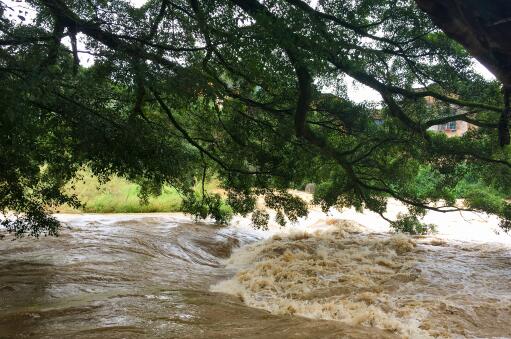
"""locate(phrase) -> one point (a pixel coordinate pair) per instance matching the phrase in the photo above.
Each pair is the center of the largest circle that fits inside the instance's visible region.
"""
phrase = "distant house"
(453, 128)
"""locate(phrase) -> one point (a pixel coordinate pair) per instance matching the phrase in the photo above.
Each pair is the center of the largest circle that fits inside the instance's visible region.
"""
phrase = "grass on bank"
(121, 196)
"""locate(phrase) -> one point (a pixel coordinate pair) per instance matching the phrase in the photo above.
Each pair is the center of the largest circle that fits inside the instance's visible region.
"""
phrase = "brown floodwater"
(163, 276)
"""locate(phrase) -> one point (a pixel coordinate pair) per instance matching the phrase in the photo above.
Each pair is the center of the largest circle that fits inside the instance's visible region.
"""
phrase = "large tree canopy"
(254, 91)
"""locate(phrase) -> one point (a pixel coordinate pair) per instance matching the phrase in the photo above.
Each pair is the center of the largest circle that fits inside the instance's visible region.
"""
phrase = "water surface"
(132, 276)
(164, 276)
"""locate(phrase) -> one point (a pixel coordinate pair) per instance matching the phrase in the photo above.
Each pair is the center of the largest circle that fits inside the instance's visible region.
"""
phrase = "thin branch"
(192, 141)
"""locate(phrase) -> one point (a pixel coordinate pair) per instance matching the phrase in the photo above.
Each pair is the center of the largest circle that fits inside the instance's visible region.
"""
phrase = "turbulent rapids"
(425, 289)
(128, 276)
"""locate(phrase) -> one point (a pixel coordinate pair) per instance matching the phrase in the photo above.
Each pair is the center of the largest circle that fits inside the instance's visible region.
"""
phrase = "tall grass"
(118, 195)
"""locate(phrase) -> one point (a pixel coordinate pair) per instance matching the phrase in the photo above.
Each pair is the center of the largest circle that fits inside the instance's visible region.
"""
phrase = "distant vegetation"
(119, 195)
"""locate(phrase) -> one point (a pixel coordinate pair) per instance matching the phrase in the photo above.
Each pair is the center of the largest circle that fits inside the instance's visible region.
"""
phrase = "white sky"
(137, 3)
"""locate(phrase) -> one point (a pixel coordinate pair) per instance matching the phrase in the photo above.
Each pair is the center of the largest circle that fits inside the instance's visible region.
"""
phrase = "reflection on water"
(129, 276)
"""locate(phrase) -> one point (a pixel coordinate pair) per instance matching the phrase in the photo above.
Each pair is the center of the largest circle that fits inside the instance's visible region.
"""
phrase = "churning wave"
(415, 288)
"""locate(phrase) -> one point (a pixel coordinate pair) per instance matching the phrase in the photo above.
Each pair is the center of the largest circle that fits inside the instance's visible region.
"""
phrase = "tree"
(253, 91)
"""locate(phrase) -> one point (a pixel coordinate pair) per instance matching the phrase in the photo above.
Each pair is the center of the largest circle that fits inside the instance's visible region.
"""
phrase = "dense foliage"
(253, 91)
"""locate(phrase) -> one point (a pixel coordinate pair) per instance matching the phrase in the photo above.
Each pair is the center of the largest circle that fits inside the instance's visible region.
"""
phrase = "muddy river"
(164, 276)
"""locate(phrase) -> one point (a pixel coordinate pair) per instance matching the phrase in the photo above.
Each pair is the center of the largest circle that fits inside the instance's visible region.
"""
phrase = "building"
(453, 128)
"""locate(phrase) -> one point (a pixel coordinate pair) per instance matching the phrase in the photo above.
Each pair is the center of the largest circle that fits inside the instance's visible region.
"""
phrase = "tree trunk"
(483, 27)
